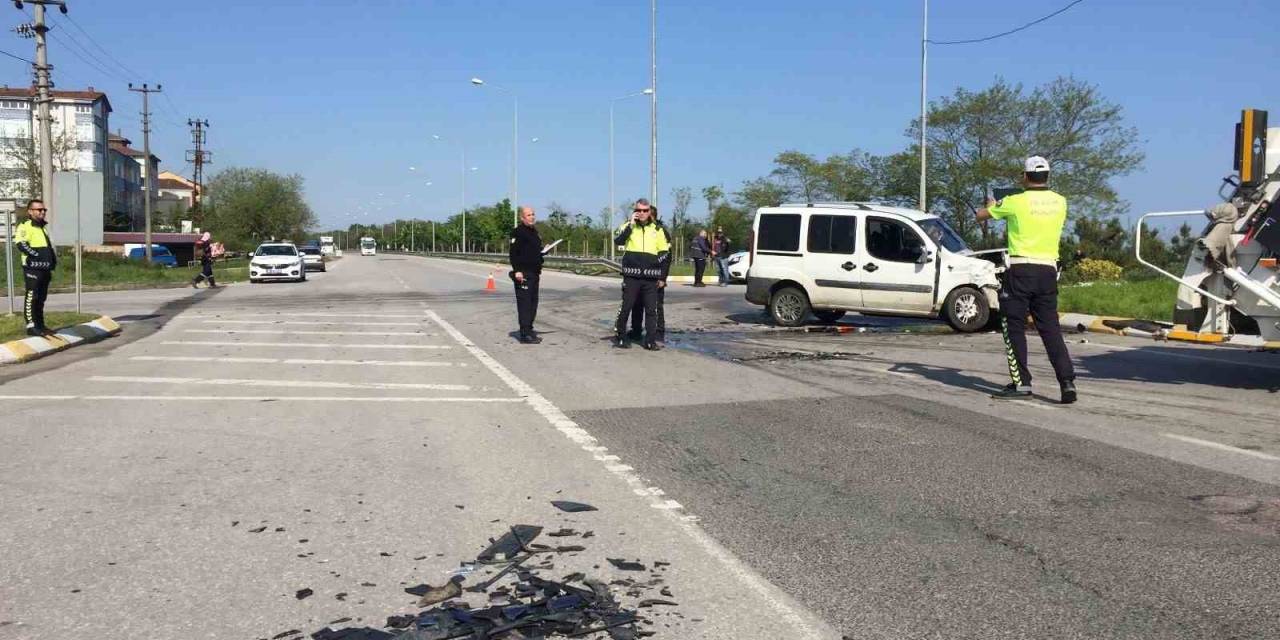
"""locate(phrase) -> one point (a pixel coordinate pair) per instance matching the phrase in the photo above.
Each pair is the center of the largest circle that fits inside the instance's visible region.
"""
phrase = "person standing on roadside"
(720, 248)
(1034, 220)
(638, 312)
(205, 246)
(700, 250)
(39, 259)
(645, 265)
(526, 272)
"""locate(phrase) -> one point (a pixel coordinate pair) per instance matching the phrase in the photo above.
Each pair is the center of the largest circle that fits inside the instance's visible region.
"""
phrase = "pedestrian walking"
(39, 259)
(700, 250)
(645, 265)
(1034, 220)
(638, 312)
(720, 248)
(205, 247)
(525, 255)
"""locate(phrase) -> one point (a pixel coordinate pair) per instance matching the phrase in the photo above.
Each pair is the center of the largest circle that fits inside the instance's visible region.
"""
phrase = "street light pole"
(613, 206)
(515, 148)
(653, 103)
(924, 112)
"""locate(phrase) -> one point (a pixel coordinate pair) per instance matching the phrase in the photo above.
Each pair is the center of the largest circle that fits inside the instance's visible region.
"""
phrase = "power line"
(95, 43)
(16, 57)
(1011, 31)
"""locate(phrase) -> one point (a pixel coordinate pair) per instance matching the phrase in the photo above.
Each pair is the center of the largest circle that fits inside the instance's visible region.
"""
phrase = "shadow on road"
(1167, 365)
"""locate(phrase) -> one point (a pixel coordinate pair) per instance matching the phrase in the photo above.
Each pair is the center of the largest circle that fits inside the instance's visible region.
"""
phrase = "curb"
(34, 348)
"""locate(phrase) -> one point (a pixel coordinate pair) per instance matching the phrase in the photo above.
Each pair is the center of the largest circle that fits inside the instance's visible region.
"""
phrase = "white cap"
(1036, 164)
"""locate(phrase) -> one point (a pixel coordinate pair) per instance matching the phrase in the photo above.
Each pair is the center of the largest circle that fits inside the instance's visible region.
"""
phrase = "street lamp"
(612, 200)
(465, 171)
(515, 147)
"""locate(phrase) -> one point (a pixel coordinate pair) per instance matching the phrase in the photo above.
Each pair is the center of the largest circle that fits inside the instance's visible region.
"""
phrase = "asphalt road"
(800, 485)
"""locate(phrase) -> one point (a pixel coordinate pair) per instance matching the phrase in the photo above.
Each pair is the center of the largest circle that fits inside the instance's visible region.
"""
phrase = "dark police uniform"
(526, 257)
(39, 259)
(638, 312)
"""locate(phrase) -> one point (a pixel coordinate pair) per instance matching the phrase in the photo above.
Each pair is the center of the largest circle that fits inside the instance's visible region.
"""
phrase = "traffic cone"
(489, 285)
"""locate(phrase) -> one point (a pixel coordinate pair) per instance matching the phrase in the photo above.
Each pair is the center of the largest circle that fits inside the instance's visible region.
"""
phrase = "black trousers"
(206, 273)
(638, 315)
(638, 291)
(527, 302)
(699, 268)
(37, 283)
(1032, 289)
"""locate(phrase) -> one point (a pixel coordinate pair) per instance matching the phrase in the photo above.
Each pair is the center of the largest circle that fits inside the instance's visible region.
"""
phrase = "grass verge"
(1142, 299)
(12, 326)
(101, 271)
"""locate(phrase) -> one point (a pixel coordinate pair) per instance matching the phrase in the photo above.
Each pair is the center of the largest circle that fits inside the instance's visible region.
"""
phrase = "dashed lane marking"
(278, 332)
(1222, 447)
(303, 345)
(806, 625)
(354, 363)
(290, 384)
(216, 398)
(312, 323)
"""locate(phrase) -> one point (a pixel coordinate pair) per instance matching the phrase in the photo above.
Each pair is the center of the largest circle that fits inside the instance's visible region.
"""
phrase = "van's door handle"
(870, 266)
(848, 266)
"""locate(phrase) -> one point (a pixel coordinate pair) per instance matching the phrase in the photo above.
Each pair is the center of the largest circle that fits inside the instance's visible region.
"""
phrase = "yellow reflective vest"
(647, 247)
(37, 251)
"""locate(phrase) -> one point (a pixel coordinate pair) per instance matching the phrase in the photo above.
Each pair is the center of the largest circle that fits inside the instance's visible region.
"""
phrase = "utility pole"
(198, 157)
(653, 103)
(148, 170)
(43, 99)
(413, 226)
(924, 111)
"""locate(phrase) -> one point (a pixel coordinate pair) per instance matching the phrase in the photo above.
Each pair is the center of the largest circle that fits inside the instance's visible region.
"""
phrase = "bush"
(1093, 270)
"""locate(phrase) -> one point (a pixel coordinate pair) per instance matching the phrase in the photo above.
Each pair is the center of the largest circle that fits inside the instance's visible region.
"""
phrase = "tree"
(682, 196)
(25, 153)
(761, 192)
(712, 195)
(799, 173)
(246, 206)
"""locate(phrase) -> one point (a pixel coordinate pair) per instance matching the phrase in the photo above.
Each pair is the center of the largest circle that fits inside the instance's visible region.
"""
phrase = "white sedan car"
(738, 264)
(277, 261)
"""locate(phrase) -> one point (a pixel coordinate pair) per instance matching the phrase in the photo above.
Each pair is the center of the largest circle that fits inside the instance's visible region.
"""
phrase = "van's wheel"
(829, 316)
(789, 306)
(966, 310)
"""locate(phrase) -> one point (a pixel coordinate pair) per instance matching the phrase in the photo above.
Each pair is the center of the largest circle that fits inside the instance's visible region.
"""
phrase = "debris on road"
(516, 602)
(303, 594)
(572, 507)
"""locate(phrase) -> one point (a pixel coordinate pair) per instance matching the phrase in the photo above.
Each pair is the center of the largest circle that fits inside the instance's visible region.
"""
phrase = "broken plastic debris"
(450, 590)
(572, 507)
(303, 594)
(625, 565)
(513, 543)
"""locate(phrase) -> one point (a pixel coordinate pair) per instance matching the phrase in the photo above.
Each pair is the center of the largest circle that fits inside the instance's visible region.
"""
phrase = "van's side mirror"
(925, 257)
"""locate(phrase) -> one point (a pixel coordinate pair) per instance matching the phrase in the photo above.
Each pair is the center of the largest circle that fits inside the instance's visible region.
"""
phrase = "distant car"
(277, 261)
(313, 257)
(738, 265)
(159, 254)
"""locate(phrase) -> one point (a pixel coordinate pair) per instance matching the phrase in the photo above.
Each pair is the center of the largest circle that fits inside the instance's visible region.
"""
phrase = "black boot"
(1013, 392)
(1068, 392)
(620, 341)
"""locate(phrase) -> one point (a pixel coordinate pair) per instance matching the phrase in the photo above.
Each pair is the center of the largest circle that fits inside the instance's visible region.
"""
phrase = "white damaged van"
(830, 258)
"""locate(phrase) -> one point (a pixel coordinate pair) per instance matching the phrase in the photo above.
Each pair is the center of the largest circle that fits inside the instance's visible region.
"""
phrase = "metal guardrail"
(584, 261)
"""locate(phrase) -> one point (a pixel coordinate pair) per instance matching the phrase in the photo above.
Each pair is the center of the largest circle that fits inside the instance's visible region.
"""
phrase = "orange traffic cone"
(489, 285)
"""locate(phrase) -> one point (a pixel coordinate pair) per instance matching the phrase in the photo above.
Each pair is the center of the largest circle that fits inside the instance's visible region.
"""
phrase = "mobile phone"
(1000, 193)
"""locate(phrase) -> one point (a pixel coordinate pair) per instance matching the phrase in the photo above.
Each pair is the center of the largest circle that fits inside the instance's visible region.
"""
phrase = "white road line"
(369, 363)
(358, 314)
(212, 398)
(308, 333)
(1221, 447)
(312, 323)
(290, 384)
(304, 345)
(805, 624)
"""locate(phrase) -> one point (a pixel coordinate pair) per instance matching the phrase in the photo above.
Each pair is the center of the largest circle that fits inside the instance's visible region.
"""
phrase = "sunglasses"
(640, 210)
(40, 209)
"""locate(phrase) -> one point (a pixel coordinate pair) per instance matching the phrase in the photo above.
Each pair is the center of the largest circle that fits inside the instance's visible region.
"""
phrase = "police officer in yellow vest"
(645, 266)
(39, 259)
(1034, 220)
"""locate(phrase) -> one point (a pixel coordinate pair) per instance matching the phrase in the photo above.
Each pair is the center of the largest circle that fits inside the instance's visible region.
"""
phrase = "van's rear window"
(778, 232)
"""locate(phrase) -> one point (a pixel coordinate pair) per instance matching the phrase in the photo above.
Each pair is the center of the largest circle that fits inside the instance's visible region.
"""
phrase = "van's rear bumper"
(760, 289)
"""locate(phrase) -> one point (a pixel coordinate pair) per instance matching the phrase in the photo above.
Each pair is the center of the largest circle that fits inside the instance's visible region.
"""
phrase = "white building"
(79, 127)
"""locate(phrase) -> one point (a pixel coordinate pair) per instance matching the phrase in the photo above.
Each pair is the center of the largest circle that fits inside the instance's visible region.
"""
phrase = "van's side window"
(893, 241)
(832, 234)
(779, 232)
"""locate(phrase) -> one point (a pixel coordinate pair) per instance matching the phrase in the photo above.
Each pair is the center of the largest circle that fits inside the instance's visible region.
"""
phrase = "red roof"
(170, 183)
(30, 92)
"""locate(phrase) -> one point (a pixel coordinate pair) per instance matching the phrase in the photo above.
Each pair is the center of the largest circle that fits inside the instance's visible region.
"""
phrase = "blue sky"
(348, 94)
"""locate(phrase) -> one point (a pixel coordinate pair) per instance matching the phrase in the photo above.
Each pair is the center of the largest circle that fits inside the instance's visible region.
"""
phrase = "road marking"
(308, 333)
(212, 398)
(305, 345)
(311, 323)
(289, 384)
(803, 622)
(371, 363)
(1221, 447)
(355, 314)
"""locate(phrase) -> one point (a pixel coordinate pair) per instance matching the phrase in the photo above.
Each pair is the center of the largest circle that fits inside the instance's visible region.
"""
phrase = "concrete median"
(34, 348)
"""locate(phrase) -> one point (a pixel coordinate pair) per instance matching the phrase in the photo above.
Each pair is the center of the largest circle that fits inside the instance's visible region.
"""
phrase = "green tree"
(246, 206)
(712, 195)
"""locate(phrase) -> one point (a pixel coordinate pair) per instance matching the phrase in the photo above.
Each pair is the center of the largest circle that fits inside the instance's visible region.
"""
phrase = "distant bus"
(368, 247)
(326, 245)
